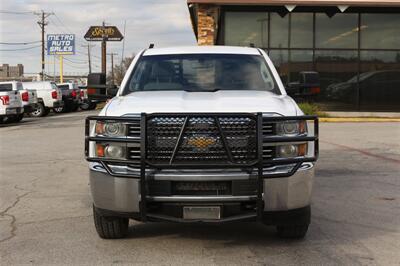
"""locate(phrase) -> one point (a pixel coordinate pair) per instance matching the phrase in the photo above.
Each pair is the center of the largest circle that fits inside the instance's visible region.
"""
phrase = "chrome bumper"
(122, 194)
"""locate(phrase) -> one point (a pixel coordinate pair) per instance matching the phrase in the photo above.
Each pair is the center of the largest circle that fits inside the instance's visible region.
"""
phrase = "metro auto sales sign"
(60, 44)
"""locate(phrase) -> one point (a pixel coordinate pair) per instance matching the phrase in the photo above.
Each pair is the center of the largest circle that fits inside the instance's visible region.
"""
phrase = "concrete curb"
(358, 119)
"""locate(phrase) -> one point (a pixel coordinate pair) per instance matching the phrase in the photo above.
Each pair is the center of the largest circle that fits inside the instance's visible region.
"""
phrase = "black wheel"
(292, 231)
(74, 108)
(59, 110)
(92, 106)
(85, 105)
(39, 111)
(17, 118)
(109, 227)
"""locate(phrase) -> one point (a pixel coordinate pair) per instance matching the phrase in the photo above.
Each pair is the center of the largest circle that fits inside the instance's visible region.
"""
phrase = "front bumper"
(122, 195)
(124, 186)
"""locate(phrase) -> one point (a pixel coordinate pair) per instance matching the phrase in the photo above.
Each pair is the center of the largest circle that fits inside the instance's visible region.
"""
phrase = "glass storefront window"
(300, 60)
(339, 31)
(301, 30)
(337, 70)
(279, 31)
(244, 28)
(380, 31)
(280, 58)
(379, 80)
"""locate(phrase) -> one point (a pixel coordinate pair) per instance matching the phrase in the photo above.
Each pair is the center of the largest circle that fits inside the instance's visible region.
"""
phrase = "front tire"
(110, 227)
(292, 231)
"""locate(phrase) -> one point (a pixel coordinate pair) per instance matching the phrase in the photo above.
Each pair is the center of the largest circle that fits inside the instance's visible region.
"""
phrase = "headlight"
(291, 150)
(291, 128)
(112, 151)
(110, 129)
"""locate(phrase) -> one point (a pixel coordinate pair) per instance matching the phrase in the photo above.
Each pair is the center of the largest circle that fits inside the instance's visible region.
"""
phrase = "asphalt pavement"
(46, 215)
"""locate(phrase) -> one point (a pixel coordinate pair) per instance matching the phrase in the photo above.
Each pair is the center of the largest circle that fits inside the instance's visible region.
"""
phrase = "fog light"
(115, 152)
(287, 151)
(290, 151)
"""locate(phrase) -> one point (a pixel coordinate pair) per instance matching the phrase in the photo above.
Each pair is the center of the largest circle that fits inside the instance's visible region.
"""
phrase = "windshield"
(201, 73)
(6, 87)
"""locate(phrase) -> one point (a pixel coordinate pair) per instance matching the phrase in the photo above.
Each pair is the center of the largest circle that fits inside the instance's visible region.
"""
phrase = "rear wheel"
(110, 227)
(39, 111)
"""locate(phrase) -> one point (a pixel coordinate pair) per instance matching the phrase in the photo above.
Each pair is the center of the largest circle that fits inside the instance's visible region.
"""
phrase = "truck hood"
(200, 102)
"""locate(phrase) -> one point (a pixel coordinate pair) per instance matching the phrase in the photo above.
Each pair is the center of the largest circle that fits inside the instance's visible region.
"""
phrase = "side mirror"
(112, 91)
(307, 86)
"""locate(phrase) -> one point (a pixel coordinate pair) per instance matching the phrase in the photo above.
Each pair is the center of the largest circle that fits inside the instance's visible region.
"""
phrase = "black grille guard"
(259, 164)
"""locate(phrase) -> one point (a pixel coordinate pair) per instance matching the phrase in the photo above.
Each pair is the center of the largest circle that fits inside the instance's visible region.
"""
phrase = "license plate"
(201, 213)
(11, 111)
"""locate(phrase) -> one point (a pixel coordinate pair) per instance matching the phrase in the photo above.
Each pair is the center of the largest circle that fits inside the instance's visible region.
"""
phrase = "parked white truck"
(48, 94)
(11, 107)
(201, 134)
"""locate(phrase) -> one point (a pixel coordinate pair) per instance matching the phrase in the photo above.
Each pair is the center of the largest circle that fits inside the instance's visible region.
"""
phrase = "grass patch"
(312, 109)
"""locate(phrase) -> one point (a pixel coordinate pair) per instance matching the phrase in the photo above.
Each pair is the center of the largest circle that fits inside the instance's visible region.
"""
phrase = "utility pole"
(104, 50)
(112, 67)
(42, 23)
(89, 57)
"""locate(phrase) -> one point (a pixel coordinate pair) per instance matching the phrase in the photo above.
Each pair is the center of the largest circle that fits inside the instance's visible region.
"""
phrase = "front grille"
(202, 188)
(202, 139)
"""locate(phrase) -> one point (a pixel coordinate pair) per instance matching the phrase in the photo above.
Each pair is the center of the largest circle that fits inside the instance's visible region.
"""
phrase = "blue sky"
(163, 22)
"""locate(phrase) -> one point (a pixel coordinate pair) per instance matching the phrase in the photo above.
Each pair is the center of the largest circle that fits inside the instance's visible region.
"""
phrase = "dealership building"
(353, 45)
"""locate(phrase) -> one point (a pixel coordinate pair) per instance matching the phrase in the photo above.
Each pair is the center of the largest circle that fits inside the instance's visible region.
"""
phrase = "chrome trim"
(200, 198)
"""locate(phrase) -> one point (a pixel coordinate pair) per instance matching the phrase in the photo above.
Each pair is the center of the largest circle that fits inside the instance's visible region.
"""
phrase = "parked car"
(28, 97)
(201, 134)
(372, 88)
(48, 94)
(70, 97)
(86, 103)
(11, 108)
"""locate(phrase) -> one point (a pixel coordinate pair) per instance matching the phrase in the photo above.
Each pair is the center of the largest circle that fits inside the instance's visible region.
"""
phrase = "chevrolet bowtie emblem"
(201, 142)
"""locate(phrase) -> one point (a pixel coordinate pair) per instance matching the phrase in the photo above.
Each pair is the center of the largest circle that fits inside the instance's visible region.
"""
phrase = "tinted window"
(6, 87)
(380, 31)
(339, 31)
(202, 72)
(279, 31)
(63, 87)
(243, 28)
(302, 30)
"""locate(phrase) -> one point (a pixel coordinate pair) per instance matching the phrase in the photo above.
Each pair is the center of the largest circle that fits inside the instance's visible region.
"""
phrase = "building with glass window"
(354, 45)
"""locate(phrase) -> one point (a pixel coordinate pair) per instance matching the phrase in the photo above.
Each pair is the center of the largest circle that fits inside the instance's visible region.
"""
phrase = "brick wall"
(207, 24)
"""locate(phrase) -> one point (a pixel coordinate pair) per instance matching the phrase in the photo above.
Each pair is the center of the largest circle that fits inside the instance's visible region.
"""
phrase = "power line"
(18, 43)
(16, 12)
(20, 49)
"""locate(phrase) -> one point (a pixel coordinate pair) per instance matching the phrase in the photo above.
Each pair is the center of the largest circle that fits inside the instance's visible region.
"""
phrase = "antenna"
(151, 45)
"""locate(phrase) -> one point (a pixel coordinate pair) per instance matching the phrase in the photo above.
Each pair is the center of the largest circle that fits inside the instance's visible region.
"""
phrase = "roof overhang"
(359, 3)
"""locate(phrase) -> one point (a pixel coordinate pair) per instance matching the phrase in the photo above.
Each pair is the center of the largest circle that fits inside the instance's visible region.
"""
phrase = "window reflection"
(302, 30)
(379, 80)
(300, 60)
(244, 28)
(336, 69)
(339, 31)
(280, 58)
(279, 27)
(380, 31)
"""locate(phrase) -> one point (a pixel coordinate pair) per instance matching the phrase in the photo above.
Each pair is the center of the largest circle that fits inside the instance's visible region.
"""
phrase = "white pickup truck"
(28, 97)
(11, 107)
(48, 94)
(201, 134)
